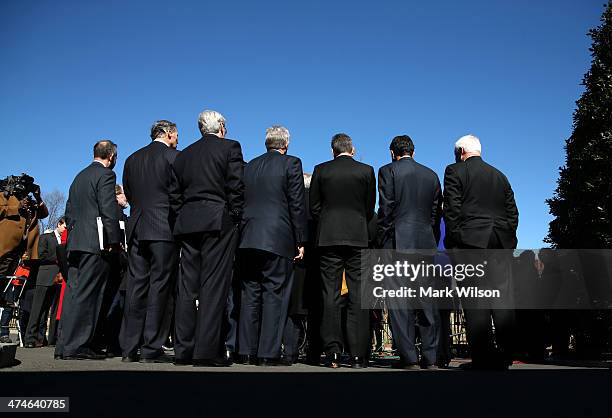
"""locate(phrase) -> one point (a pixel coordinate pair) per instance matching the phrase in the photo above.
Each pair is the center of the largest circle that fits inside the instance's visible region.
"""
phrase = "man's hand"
(300, 255)
(36, 194)
(114, 248)
(58, 278)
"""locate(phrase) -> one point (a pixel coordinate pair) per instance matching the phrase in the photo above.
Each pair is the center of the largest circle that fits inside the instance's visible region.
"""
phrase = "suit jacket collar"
(95, 163)
(210, 136)
(159, 141)
(343, 157)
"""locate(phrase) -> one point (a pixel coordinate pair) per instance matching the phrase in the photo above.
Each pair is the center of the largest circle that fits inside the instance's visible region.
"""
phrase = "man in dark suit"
(480, 213)
(91, 204)
(211, 196)
(47, 288)
(273, 236)
(342, 198)
(149, 181)
(409, 211)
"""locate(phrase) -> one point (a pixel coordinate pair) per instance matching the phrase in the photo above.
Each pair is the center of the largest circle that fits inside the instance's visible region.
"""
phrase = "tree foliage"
(55, 202)
(582, 203)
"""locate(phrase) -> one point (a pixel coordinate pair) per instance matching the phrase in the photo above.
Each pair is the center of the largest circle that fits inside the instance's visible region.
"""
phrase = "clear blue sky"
(73, 72)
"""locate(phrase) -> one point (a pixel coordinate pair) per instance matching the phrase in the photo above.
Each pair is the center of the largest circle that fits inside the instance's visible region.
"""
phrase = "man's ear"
(353, 151)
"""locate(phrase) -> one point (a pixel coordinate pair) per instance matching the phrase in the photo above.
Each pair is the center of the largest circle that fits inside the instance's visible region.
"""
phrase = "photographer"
(19, 215)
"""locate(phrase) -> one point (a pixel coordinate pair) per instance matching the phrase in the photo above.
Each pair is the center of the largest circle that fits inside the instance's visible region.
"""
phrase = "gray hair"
(162, 127)
(341, 143)
(469, 143)
(209, 122)
(277, 137)
(307, 179)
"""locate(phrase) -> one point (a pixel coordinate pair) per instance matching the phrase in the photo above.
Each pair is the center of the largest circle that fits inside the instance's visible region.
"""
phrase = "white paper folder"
(100, 232)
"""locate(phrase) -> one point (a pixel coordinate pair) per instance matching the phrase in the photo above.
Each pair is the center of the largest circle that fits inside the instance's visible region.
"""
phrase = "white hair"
(210, 122)
(277, 137)
(469, 143)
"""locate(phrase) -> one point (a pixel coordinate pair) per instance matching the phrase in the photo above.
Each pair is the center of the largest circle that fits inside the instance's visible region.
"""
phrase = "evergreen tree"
(582, 203)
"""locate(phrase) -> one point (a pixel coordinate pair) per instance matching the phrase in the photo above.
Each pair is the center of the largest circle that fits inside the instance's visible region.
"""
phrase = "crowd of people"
(222, 258)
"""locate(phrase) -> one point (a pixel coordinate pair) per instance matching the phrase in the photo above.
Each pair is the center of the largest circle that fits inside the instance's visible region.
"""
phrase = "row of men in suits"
(195, 208)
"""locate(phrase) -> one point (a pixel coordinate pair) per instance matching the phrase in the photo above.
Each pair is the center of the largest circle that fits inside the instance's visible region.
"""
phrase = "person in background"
(410, 207)
(19, 236)
(342, 199)
(47, 290)
(480, 213)
(273, 233)
(209, 204)
(149, 181)
(91, 207)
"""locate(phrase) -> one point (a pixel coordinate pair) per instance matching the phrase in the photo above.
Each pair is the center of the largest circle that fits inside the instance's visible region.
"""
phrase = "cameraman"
(19, 215)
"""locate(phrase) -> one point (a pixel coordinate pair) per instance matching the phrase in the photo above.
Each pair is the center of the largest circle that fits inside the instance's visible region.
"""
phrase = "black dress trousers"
(334, 260)
(87, 276)
(266, 291)
(205, 276)
(150, 285)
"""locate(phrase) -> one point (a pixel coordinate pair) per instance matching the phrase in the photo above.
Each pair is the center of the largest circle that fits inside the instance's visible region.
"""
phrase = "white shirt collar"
(99, 162)
(58, 237)
(159, 140)
(346, 154)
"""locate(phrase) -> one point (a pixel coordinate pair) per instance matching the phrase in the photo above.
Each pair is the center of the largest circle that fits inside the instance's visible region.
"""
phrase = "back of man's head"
(104, 149)
(341, 143)
(277, 137)
(469, 144)
(161, 128)
(402, 145)
(210, 122)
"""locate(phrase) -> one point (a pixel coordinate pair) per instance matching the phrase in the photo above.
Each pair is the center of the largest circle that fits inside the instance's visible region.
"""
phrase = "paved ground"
(41, 360)
(110, 388)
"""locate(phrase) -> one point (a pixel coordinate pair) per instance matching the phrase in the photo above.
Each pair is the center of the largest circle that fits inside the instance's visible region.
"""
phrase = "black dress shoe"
(220, 362)
(158, 359)
(85, 356)
(405, 365)
(129, 359)
(248, 360)
(359, 363)
(182, 362)
(270, 362)
(29, 345)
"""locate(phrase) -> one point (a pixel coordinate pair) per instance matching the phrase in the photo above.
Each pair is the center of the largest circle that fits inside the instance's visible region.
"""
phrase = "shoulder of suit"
(293, 159)
(426, 169)
(323, 165)
(232, 143)
(363, 165)
(455, 166)
(385, 168)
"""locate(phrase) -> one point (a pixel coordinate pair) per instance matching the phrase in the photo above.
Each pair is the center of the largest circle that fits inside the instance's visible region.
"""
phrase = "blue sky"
(509, 72)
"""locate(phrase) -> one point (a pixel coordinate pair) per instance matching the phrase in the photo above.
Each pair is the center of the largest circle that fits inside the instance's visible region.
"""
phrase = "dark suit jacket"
(92, 195)
(478, 202)
(47, 254)
(409, 206)
(211, 189)
(342, 199)
(274, 204)
(148, 182)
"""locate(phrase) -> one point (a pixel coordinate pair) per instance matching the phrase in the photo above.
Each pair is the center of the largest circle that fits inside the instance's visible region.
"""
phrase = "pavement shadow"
(543, 393)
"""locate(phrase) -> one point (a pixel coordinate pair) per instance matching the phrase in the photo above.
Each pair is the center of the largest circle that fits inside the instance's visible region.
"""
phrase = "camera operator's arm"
(41, 209)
